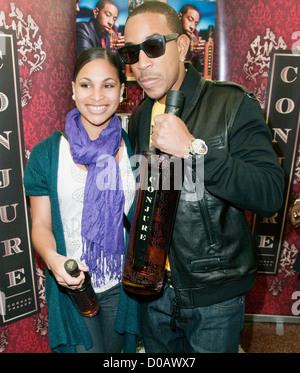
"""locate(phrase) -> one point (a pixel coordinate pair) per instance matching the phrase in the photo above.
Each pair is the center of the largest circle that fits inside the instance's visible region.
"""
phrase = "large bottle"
(84, 298)
(155, 211)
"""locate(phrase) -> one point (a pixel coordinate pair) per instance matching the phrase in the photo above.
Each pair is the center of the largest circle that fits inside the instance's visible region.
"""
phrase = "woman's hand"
(56, 266)
(45, 244)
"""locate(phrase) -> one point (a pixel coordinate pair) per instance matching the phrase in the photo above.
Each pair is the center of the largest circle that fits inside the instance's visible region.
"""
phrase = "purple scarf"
(103, 206)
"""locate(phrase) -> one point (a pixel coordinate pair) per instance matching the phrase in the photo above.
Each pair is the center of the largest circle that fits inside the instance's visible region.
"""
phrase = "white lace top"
(71, 184)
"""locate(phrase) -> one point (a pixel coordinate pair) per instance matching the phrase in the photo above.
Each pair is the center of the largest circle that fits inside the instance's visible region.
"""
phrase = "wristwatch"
(197, 148)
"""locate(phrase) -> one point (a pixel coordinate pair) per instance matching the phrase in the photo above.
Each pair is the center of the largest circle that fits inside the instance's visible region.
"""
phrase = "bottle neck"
(85, 284)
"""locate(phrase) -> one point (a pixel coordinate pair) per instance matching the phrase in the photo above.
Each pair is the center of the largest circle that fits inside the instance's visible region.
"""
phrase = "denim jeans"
(214, 328)
(101, 327)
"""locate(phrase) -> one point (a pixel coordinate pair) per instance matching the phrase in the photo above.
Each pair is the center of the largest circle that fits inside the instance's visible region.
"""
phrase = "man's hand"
(170, 135)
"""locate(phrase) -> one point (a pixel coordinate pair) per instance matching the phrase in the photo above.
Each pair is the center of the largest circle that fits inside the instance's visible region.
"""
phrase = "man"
(189, 16)
(212, 256)
(96, 32)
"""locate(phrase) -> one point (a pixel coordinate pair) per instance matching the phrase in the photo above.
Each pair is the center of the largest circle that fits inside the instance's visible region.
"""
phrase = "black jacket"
(212, 254)
(88, 35)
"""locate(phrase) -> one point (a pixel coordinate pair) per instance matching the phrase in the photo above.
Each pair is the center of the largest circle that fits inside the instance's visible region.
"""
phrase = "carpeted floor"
(268, 338)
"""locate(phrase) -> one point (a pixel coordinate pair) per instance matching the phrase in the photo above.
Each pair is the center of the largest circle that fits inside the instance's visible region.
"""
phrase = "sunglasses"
(153, 48)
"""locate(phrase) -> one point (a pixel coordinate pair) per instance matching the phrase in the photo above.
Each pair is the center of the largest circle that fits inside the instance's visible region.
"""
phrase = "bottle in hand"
(154, 216)
(83, 298)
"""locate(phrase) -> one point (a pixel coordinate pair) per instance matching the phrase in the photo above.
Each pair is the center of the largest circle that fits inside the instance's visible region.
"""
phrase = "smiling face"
(97, 91)
(156, 75)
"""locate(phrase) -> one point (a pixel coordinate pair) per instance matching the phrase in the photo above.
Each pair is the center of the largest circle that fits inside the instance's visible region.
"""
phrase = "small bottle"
(209, 54)
(154, 216)
(84, 298)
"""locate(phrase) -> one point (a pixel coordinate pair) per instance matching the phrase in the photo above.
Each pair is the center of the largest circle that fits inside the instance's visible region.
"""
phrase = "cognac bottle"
(84, 298)
(155, 210)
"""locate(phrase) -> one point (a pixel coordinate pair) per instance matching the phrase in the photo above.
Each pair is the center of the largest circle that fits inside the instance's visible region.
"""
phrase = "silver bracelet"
(297, 200)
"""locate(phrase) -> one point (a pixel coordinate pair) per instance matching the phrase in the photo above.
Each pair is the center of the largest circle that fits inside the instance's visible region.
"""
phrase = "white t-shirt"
(71, 184)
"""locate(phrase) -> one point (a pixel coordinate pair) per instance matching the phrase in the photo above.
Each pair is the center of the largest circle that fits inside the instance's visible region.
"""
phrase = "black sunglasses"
(154, 47)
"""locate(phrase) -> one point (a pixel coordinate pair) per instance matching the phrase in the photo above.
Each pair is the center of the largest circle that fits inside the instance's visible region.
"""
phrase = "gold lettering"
(266, 242)
(149, 199)
(285, 102)
(12, 245)
(13, 277)
(5, 142)
(283, 136)
(5, 177)
(3, 213)
(280, 159)
(142, 237)
(271, 220)
(285, 72)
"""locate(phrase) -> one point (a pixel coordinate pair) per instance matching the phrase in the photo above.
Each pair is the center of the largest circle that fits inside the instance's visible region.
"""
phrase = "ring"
(295, 215)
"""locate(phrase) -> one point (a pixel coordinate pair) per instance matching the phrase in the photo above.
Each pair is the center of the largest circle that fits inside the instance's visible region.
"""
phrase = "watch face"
(198, 147)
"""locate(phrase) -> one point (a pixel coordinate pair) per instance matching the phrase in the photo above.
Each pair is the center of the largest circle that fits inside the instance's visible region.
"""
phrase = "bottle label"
(144, 227)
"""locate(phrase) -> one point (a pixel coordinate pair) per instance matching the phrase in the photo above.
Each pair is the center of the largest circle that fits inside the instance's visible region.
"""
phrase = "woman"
(80, 185)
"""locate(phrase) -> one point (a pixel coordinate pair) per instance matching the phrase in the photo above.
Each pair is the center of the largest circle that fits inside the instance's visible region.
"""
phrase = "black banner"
(18, 290)
(282, 114)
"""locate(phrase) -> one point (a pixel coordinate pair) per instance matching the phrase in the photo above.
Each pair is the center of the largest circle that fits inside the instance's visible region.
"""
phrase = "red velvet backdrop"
(46, 52)
(246, 32)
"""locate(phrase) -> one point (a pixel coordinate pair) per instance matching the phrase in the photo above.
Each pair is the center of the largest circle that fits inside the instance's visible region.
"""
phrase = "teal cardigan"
(67, 327)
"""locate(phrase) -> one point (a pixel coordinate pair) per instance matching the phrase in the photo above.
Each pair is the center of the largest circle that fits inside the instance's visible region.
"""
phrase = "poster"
(249, 38)
(282, 114)
(206, 13)
(19, 298)
(46, 52)
(105, 27)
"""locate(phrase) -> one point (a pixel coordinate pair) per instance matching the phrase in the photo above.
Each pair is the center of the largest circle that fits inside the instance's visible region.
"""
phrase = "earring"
(182, 59)
(121, 99)
(73, 97)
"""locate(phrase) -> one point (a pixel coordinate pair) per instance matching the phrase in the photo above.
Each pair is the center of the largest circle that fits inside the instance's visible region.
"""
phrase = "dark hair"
(172, 18)
(92, 54)
(186, 7)
(101, 4)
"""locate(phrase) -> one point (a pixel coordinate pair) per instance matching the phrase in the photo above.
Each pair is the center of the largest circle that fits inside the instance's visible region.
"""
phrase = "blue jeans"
(101, 327)
(213, 328)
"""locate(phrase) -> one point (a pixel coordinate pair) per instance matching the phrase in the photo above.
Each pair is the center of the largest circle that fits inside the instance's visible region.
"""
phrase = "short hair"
(186, 7)
(92, 54)
(101, 4)
(171, 15)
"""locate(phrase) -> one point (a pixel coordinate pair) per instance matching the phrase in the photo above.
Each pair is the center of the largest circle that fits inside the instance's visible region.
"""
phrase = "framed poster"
(19, 297)
(258, 46)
